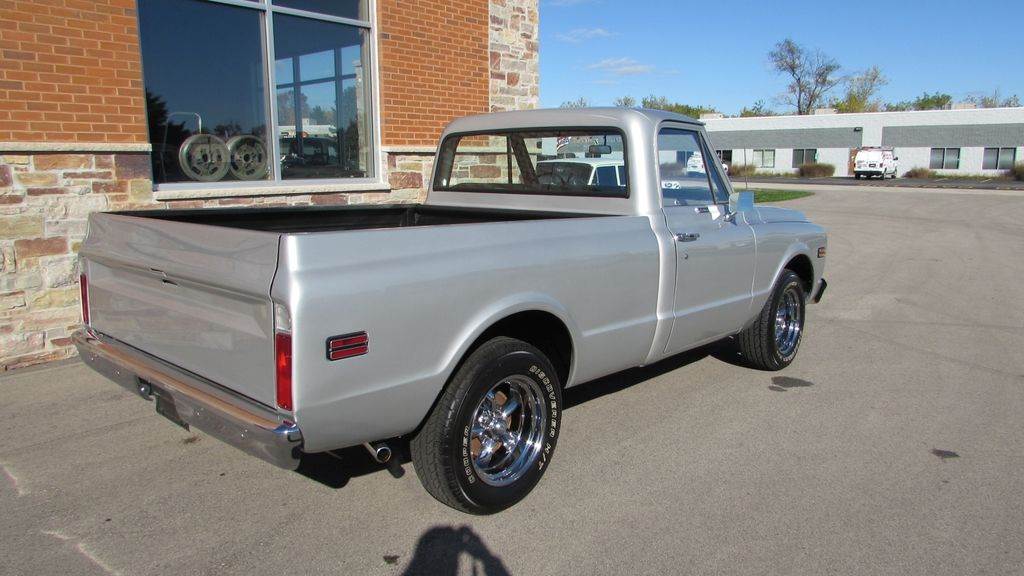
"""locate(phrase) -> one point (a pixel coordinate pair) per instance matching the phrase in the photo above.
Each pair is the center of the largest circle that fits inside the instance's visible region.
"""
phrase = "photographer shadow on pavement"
(440, 548)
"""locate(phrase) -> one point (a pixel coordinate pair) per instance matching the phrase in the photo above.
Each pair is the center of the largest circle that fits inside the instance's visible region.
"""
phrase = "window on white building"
(945, 159)
(257, 91)
(804, 156)
(764, 158)
(999, 158)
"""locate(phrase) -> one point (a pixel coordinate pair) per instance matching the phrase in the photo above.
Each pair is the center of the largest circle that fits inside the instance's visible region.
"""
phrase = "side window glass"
(683, 174)
(717, 183)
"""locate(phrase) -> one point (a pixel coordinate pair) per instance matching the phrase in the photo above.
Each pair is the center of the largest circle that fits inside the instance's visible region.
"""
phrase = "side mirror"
(741, 201)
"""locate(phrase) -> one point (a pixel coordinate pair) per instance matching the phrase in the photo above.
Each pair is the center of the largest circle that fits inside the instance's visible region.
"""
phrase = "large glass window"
(211, 90)
(321, 98)
(559, 162)
(944, 159)
(764, 158)
(681, 168)
(999, 158)
(803, 156)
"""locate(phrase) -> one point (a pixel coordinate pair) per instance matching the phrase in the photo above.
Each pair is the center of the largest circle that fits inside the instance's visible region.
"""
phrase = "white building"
(955, 142)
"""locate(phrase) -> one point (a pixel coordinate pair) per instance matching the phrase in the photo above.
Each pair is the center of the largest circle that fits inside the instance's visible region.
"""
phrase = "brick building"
(118, 104)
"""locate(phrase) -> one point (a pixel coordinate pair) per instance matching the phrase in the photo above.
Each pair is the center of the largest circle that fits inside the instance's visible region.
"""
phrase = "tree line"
(813, 80)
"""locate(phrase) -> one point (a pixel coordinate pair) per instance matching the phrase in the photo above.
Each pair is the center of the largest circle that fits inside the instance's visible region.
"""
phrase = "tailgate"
(197, 296)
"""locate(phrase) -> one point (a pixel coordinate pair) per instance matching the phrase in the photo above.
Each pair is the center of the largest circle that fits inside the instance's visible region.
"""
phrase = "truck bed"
(287, 220)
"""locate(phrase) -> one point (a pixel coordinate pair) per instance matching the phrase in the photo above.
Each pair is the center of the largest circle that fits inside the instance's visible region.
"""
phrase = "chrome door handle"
(684, 237)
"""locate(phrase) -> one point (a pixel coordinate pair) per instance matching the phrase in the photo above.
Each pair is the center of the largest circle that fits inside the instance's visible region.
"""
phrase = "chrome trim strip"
(225, 415)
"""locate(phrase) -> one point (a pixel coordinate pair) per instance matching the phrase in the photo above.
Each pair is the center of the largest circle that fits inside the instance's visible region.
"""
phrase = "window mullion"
(272, 128)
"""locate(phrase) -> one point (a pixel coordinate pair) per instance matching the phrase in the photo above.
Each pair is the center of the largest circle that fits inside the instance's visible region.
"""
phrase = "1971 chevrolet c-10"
(554, 247)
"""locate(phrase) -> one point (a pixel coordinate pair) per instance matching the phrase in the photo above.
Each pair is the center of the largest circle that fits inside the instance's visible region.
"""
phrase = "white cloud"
(622, 66)
(577, 35)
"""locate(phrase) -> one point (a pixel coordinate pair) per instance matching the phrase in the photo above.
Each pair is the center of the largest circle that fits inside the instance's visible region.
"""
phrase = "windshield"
(556, 162)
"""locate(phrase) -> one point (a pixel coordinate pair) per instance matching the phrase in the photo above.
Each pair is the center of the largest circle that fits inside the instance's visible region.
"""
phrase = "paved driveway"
(893, 445)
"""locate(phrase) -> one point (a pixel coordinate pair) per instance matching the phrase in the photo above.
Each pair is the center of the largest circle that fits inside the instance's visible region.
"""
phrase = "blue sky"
(715, 53)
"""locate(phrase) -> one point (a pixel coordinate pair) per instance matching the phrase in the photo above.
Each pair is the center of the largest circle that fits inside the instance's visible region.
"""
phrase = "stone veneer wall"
(46, 195)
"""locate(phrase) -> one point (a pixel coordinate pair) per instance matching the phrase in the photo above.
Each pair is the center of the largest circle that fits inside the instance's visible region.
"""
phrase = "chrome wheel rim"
(507, 430)
(789, 321)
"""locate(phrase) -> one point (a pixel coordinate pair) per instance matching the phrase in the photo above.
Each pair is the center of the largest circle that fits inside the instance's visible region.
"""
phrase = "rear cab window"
(565, 162)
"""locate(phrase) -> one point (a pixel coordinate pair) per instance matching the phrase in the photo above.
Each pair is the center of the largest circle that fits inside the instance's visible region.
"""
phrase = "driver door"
(714, 254)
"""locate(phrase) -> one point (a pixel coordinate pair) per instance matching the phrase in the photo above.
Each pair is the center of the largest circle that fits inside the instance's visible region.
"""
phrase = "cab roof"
(565, 118)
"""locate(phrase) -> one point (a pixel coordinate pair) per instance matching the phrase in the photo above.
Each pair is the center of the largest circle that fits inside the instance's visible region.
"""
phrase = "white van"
(875, 161)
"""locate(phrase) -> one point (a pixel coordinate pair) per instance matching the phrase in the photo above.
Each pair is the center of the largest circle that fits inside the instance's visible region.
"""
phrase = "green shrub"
(741, 170)
(919, 173)
(1018, 171)
(816, 170)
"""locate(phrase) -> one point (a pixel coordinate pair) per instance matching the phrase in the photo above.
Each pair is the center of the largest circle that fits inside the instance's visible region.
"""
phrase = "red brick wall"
(434, 66)
(70, 71)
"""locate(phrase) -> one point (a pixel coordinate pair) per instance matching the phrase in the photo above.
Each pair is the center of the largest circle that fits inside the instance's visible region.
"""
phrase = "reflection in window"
(944, 159)
(207, 96)
(205, 104)
(684, 177)
(570, 162)
(322, 99)
(999, 158)
(355, 9)
(764, 158)
(803, 156)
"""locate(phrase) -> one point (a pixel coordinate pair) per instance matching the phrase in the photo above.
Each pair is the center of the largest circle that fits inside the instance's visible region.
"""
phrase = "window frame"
(704, 151)
(761, 164)
(999, 157)
(803, 154)
(275, 183)
(945, 152)
(436, 176)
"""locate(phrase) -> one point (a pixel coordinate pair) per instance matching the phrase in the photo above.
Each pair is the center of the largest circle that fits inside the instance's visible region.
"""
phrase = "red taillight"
(283, 361)
(83, 284)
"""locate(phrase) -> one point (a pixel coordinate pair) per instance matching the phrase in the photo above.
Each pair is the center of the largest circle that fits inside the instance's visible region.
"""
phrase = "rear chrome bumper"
(225, 415)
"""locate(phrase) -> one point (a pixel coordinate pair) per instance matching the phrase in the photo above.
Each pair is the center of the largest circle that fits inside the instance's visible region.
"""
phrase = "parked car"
(875, 161)
(590, 171)
(455, 324)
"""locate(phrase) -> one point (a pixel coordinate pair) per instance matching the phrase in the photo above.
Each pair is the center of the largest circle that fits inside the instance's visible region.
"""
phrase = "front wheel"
(490, 437)
(772, 340)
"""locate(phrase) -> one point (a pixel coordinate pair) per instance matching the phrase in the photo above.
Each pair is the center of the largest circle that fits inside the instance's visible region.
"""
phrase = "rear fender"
(489, 316)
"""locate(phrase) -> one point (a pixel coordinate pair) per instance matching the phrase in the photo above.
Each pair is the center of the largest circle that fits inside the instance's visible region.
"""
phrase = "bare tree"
(580, 102)
(860, 89)
(811, 74)
(625, 102)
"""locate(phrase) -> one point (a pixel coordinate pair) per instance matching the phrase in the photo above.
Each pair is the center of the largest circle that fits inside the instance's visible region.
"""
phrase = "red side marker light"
(347, 345)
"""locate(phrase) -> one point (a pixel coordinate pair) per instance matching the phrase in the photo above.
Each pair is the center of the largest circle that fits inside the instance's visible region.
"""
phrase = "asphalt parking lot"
(893, 445)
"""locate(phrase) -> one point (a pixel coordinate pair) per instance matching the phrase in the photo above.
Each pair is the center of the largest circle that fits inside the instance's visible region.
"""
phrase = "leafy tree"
(661, 103)
(860, 89)
(926, 101)
(758, 109)
(625, 102)
(812, 74)
(580, 102)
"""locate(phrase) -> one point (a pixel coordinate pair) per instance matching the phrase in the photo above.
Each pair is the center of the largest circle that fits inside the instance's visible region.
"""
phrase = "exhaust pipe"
(379, 451)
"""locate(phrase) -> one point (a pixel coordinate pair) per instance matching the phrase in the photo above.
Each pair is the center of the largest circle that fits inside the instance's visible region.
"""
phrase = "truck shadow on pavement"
(335, 469)
(439, 549)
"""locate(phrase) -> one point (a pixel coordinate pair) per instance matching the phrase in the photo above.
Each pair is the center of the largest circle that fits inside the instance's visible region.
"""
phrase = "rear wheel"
(771, 342)
(489, 439)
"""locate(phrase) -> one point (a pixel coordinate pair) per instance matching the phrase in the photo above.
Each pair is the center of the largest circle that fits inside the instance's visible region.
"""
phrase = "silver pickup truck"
(453, 325)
